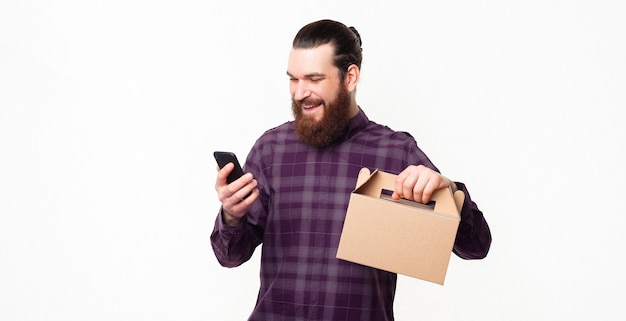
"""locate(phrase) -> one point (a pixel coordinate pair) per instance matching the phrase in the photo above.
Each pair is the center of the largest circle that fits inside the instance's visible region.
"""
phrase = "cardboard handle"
(445, 201)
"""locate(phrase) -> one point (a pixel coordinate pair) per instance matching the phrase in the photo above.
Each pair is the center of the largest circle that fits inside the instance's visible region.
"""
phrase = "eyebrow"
(311, 75)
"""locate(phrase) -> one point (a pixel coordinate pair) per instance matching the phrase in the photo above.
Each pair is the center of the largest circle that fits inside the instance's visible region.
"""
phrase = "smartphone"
(224, 158)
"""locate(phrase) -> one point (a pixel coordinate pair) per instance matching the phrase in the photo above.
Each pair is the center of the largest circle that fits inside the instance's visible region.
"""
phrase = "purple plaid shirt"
(299, 218)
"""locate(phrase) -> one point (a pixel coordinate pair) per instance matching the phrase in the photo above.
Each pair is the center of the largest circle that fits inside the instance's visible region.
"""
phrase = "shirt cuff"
(227, 230)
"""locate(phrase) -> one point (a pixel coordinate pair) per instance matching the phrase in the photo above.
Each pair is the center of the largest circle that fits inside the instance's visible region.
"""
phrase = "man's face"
(321, 104)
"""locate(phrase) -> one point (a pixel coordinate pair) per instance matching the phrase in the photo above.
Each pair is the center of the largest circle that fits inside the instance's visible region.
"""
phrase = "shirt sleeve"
(473, 238)
(234, 245)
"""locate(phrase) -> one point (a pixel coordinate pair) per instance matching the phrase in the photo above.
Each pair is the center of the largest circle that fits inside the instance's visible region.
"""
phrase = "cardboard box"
(402, 236)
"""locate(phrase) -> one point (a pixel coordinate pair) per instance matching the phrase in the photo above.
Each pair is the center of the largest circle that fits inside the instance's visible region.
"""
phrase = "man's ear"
(352, 77)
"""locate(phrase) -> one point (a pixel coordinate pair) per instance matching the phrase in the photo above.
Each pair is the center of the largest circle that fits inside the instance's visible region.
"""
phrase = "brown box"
(402, 236)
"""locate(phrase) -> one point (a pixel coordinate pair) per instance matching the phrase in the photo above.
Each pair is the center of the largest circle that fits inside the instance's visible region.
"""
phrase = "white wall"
(109, 112)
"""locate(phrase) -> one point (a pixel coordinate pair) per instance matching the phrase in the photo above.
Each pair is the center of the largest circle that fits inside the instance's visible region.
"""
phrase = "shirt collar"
(356, 124)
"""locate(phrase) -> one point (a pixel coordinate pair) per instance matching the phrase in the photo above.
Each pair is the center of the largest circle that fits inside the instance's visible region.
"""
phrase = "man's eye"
(316, 79)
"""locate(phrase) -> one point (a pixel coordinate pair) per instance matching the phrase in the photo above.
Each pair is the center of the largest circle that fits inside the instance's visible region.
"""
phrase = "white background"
(110, 110)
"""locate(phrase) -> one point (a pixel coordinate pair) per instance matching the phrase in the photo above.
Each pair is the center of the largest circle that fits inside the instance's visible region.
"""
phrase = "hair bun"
(358, 36)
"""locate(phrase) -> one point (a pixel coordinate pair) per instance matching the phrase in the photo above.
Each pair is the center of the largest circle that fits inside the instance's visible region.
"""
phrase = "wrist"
(228, 219)
(453, 187)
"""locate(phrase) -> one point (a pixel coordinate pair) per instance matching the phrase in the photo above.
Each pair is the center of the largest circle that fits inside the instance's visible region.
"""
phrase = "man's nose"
(301, 91)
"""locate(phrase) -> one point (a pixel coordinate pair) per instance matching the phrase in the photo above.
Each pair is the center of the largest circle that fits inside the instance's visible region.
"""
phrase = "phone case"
(223, 158)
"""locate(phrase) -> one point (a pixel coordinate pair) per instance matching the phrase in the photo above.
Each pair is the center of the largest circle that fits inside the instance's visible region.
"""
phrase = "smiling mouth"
(311, 106)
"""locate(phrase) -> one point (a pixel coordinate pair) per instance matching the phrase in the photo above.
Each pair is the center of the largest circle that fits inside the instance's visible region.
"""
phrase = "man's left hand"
(419, 182)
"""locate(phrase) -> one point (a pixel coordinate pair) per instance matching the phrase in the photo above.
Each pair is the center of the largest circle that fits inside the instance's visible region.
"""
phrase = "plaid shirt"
(304, 194)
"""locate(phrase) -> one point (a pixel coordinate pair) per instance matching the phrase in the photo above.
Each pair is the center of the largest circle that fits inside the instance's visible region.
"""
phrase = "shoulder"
(281, 132)
(386, 134)
(275, 140)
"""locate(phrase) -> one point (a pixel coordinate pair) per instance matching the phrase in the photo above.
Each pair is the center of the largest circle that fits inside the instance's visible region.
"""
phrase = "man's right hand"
(233, 196)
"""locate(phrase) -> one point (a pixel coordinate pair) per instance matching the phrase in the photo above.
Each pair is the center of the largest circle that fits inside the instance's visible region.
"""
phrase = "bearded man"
(300, 175)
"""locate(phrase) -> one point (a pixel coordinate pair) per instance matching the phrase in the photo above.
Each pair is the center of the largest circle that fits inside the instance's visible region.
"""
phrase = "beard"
(332, 125)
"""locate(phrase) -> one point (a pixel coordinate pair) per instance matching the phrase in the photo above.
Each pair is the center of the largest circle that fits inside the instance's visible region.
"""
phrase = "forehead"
(318, 60)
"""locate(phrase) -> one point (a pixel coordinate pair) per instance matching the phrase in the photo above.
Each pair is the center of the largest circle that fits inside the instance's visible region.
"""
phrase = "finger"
(239, 207)
(406, 186)
(223, 173)
(226, 191)
(399, 186)
(246, 190)
(418, 188)
(236, 191)
(240, 183)
(431, 186)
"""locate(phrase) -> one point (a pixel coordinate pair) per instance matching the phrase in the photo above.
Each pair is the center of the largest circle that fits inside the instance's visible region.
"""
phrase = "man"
(300, 176)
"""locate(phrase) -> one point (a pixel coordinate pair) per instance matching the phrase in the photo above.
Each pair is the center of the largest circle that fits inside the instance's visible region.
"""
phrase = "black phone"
(224, 158)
